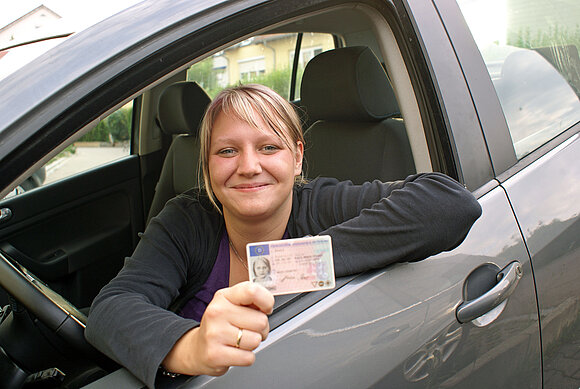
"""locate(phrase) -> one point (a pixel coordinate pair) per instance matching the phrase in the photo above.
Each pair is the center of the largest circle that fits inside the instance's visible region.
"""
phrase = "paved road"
(83, 159)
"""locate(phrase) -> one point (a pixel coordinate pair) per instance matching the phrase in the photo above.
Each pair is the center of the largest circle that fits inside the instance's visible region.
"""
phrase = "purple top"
(219, 278)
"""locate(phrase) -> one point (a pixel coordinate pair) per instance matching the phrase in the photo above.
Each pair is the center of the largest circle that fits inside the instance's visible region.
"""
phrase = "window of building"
(306, 54)
(251, 68)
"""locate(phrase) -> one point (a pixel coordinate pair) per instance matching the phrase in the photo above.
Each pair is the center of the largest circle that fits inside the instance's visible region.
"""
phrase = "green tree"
(119, 123)
(116, 127)
(555, 35)
(278, 80)
(206, 76)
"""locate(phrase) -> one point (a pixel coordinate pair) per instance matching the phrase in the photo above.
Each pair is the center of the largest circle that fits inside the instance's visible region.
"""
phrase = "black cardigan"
(372, 225)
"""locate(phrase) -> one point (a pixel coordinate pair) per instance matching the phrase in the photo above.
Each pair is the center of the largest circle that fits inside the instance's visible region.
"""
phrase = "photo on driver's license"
(292, 265)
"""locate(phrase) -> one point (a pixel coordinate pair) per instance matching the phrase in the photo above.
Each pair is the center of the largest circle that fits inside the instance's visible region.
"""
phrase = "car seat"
(357, 132)
(180, 110)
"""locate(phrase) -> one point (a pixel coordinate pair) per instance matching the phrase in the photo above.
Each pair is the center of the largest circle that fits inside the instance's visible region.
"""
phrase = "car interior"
(363, 121)
(181, 109)
(69, 238)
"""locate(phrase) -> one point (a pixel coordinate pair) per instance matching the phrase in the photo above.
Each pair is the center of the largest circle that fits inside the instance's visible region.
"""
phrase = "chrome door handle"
(508, 279)
(5, 214)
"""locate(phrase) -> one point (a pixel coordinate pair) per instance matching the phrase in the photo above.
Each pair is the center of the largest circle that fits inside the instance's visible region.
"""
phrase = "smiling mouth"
(256, 186)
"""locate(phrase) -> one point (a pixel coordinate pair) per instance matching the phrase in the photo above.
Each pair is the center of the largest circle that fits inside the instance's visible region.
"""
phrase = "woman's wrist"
(177, 360)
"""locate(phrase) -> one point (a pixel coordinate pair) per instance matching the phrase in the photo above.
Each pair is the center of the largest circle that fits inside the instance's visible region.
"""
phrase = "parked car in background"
(483, 92)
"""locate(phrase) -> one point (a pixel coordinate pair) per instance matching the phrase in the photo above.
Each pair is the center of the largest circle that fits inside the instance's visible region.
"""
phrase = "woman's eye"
(270, 148)
(226, 152)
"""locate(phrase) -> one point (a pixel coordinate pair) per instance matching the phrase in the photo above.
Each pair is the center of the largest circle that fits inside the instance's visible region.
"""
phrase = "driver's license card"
(292, 265)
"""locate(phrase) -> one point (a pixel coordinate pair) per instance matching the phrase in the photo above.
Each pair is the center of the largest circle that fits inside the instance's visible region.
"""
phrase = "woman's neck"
(240, 233)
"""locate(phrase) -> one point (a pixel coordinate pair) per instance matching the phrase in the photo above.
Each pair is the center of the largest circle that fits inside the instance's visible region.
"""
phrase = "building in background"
(28, 37)
(265, 59)
(36, 24)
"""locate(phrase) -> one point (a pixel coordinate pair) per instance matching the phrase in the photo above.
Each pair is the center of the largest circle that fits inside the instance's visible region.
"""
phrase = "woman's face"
(251, 171)
(261, 269)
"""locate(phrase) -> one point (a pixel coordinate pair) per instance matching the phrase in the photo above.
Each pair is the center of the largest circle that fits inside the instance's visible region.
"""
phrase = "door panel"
(398, 327)
(74, 234)
(545, 199)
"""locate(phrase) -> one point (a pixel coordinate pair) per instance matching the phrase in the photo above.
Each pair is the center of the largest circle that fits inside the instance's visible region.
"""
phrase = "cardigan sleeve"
(129, 320)
(376, 224)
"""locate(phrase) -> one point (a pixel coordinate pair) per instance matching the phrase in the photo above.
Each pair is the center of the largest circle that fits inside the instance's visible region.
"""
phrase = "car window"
(263, 59)
(530, 49)
(106, 142)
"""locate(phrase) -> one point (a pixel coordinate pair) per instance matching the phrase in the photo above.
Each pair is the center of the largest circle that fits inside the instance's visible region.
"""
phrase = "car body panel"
(545, 200)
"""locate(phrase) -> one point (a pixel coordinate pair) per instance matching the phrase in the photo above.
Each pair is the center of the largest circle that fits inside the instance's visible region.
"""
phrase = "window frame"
(452, 123)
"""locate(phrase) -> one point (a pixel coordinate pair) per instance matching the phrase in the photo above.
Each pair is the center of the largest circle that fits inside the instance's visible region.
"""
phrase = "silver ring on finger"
(239, 339)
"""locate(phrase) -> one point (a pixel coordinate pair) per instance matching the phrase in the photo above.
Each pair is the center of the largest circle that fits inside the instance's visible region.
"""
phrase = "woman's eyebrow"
(223, 139)
(262, 138)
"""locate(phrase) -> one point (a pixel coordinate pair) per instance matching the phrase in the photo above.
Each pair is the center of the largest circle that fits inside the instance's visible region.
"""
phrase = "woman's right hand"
(211, 348)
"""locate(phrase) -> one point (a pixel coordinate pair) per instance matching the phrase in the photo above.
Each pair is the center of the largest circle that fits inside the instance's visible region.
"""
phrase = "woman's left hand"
(233, 325)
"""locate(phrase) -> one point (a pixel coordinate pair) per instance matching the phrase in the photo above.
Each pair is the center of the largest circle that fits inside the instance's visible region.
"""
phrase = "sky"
(487, 20)
(76, 13)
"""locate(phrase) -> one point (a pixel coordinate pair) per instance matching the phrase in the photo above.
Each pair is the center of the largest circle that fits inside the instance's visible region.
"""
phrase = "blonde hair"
(252, 104)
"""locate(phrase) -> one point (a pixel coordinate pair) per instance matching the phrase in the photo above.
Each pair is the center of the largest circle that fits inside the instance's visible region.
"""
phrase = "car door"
(75, 230)
(544, 200)
(536, 80)
(398, 327)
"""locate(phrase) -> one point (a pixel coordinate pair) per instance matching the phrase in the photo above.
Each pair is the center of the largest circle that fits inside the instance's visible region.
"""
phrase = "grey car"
(479, 90)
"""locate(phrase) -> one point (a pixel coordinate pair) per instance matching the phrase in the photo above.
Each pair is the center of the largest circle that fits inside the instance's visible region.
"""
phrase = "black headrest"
(181, 108)
(347, 84)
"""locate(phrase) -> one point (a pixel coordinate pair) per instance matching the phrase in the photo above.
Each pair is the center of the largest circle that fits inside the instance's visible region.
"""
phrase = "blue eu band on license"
(259, 250)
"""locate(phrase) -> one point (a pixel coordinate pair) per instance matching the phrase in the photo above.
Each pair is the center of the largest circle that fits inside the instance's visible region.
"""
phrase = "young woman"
(191, 258)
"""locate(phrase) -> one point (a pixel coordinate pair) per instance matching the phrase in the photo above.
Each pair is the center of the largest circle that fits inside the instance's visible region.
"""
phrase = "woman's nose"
(249, 163)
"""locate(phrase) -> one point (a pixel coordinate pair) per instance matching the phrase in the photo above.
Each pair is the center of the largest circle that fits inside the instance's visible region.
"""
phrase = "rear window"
(263, 59)
(530, 48)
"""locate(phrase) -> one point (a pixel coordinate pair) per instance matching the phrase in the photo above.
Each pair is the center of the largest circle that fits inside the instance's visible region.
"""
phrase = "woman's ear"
(299, 157)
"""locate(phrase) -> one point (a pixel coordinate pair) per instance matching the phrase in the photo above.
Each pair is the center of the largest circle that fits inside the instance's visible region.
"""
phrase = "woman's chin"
(257, 208)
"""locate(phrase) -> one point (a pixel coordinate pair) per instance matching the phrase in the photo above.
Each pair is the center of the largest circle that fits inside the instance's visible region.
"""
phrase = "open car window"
(108, 141)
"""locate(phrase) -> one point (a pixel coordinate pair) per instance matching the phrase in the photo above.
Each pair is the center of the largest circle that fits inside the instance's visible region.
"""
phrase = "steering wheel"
(54, 311)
